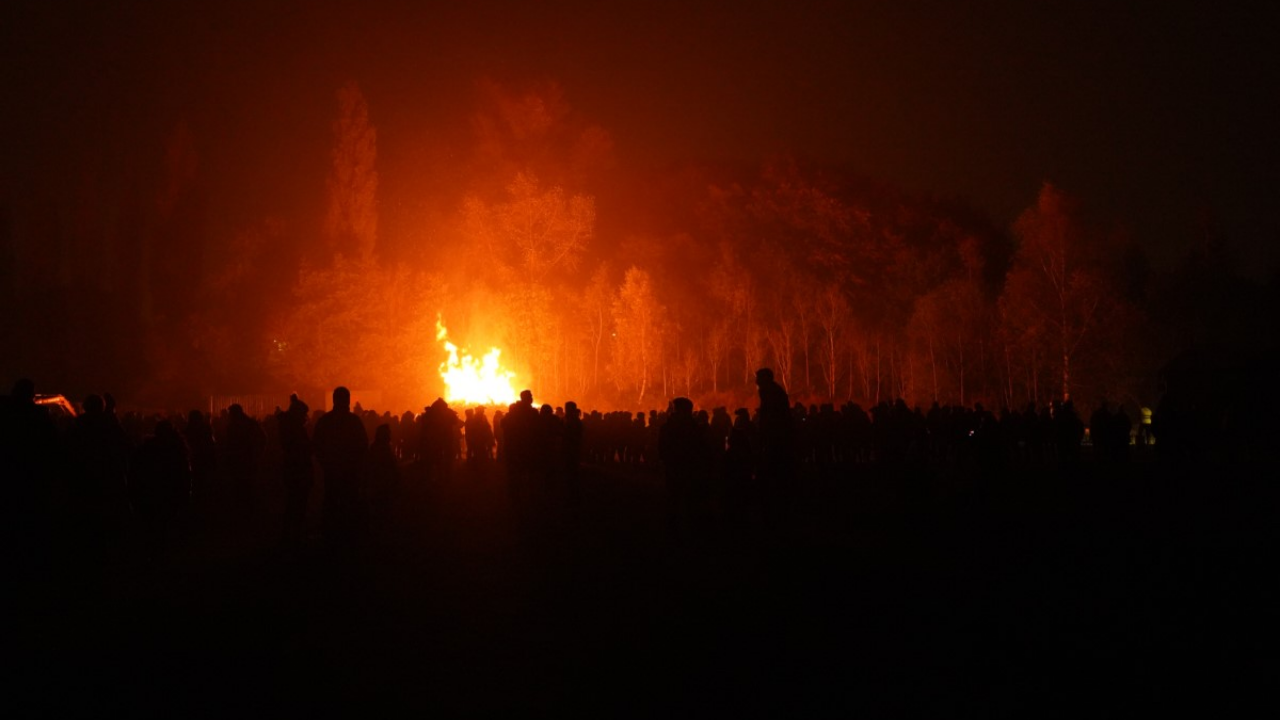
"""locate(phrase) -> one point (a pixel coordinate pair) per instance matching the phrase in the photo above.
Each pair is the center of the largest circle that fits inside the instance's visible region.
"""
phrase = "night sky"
(1159, 118)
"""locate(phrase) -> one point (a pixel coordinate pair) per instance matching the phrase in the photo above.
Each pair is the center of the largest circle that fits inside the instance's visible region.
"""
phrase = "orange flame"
(473, 381)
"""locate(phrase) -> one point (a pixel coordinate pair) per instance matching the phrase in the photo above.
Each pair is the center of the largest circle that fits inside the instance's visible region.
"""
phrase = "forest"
(617, 287)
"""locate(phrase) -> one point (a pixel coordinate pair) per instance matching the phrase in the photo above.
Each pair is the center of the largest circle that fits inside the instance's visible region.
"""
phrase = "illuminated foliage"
(849, 290)
(833, 316)
(637, 343)
(532, 330)
(949, 325)
(228, 332)
(597, 314)
(733, 288)
(535, 233)
(365, 326)
(1055, 293)
(822, 230)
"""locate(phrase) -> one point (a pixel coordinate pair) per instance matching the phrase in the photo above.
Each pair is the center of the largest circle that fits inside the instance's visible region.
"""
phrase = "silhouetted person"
(28, 439)
(384, 480)
(520, 438)
(479, 437)
(1143, 436)
(1122, 427)
(499, 441)
(204, 458)
(550, 435)
(776, 441)
(571, 451)
(340, 446)
(1068, 432)
(160, 484)
(721, 425)
(99, 453)
(468, 416)
(740, 490)
(637, 439)
(990, 445)
(1100, 432)
(242, 448)
(295, 467)
(682, 448)
(439, 426)
(30, 462)
(402, 436)
(1045, 436)
(1110, 433)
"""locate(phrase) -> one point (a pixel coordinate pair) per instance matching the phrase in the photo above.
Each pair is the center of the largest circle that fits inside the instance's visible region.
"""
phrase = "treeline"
(614, 286)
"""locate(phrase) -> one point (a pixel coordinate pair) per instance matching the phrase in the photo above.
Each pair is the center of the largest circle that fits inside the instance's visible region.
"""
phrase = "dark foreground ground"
(890, 592)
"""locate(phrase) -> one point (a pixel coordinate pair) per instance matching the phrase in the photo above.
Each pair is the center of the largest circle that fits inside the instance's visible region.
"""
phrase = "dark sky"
(1157, 116)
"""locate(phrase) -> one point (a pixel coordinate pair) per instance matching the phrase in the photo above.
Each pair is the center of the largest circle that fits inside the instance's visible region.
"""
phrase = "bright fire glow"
(473, 381)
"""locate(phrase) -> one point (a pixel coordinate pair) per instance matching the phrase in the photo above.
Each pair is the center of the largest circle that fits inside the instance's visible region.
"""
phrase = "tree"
(597, 308)
(817, 226)
(1055, 290)
(802, 303)
(226, 329)
(351, 224)
(685, 368)
(732, 285)
(637, 319)
(533, 332)
(717, 346)
(950, 321)
(362, 325)
(926, 325)
(537, 231)
(782, 337)
(786, 314)
(833, 317)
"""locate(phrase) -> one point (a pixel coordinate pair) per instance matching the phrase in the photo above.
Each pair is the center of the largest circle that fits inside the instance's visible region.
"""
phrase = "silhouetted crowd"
(104, 470)
(345, 545)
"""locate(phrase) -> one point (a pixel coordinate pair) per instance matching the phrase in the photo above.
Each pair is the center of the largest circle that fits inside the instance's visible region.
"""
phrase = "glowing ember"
(473, 381)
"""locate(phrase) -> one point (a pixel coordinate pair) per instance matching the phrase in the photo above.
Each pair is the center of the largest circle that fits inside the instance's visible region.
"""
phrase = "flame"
(473, 381)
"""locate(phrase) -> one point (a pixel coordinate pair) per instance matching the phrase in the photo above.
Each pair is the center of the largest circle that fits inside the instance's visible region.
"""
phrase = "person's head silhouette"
(93, 405)
(341, 399)
(165, 432)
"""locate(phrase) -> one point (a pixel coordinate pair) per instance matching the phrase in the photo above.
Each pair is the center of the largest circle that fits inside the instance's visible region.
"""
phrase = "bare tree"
(833, 317)
(717, 347)
(782, 337)
(637, 318)
(1054, 288)
(597, 310)
(536, 232)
